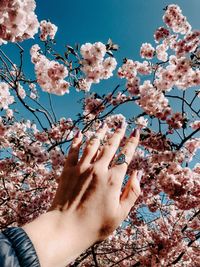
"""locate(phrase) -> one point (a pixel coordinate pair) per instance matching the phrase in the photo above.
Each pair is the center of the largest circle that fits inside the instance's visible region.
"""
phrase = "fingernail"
(139, 175)
(135, 133)
(102, 125)
(121, 125)
(77, 134)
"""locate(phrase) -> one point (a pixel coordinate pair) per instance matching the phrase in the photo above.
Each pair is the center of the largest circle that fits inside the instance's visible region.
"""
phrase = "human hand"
(90, 191)
(88, 205)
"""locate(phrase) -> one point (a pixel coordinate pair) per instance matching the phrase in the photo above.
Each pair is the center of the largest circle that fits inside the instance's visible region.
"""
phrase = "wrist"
(58, 238)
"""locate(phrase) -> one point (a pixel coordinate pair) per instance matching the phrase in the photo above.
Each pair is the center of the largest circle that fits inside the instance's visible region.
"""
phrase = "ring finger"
(128, 150)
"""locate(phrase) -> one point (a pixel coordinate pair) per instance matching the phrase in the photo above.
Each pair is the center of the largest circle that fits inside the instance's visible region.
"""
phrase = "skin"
(88, 205)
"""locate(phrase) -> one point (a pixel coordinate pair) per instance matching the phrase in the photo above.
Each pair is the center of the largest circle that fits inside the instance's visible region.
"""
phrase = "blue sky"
(128, 23)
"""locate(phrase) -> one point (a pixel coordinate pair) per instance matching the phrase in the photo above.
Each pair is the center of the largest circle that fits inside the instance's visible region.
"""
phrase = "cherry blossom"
(18, 21)
(147, 51)
(47, 29)
(94, 66)
(161, 93)
(5, 98)
(50, 74)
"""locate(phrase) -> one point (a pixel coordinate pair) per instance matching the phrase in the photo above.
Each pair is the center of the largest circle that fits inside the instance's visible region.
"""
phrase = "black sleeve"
(16, 249)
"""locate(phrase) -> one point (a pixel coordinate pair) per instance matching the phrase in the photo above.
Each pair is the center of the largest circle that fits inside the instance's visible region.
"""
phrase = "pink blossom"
(176, 121)
(153, 101)
(147, 51)
(195, 125)
(141, 122)
(5, 98)
(161, 33)
(133, 86)
(161, 52)
(50, 74)
(18, 21)
(128, 69)
(47, 29)
(175, 20)
(94, 65)
(191, 147)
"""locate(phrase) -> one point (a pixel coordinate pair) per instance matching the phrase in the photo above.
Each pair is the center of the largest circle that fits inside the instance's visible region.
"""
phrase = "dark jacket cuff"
(22, 245)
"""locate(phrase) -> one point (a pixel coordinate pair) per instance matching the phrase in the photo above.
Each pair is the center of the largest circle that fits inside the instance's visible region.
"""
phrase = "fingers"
(92, 146)
(73, 155)
(128, 150)
(111, 147)
(129, 194)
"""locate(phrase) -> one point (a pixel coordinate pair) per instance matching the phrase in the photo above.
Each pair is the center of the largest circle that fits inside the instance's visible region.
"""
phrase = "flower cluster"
(161, 33)
(5, 98)
(94, 65)
(174, 19)
(59, 131)
(195, 125)
(114, 121)
(129, 71)
(141, 122)
(57, 158)
(191, 147)
(50, 74)
(120, 98)
(47, 29)
(178, 73)
(133, 85)
(176, 181)
(161, 52)
(147, 51)
(188, 44)
(153, 101)
(155, 141)
(17, 20)
(176, 121)
(93, 106)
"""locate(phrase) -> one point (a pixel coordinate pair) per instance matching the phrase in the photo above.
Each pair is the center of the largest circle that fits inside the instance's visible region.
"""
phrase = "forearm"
(56, 244)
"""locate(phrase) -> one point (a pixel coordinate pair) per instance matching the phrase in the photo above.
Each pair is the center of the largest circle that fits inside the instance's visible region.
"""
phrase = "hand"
(90, 191)
(88, 205)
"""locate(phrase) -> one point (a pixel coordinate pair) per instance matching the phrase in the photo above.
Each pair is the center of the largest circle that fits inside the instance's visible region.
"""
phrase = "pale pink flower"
(9, 113)
(94, 66)
(47, 29)
(161, 33)
(5, 98)
(175, 20)
(21, 91)
(147, 51)
(141, 122)
(161, 52)
(18, 21)
(195, 125)
(133, 85)
(50, 74)
(153, 101)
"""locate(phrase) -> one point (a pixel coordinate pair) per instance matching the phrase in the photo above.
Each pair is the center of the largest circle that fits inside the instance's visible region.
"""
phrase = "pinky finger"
(129, 194)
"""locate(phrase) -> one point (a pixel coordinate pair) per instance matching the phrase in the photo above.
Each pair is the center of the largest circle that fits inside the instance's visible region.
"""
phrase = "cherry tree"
(163, 228)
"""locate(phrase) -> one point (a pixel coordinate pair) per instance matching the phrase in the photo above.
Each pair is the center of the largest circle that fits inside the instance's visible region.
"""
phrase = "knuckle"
(98, 167)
